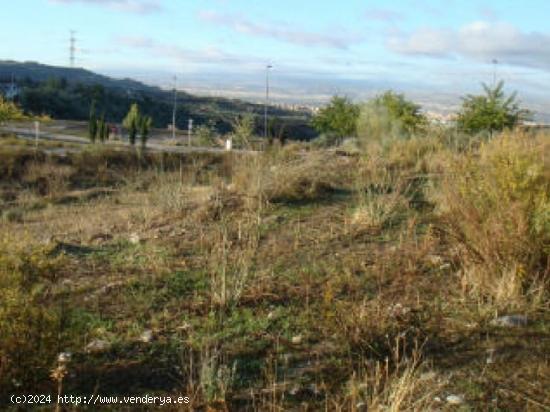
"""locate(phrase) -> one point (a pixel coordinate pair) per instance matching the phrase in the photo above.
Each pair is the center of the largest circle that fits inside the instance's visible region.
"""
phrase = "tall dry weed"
(495, 207)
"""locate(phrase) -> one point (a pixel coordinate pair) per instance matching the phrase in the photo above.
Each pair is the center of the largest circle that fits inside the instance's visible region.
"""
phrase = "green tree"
(338, 118)
(145, 123)
(490, 112)
(92, 124)
(102, 129)
(9, 111)
(389, 116)
(105, 134)
(132, 123)
(206, 134)
(277, 130)
(243, 129)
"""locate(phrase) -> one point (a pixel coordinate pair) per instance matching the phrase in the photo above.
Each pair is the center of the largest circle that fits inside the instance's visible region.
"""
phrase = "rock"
(296, 340)
(134, 239)
(295, 390)
(97, 345)
(490, 356)
(146, 336)
(109, 287)
(361, 406)
(510, 321)
(315, 389)
(184, 326)
(67, 282)
(101, 237)
(454, 400)
(435, 260)
(398, 310)
(64, 357)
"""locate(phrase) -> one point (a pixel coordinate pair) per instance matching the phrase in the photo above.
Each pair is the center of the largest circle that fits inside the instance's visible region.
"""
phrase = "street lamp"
(269, 66)
(175, 108)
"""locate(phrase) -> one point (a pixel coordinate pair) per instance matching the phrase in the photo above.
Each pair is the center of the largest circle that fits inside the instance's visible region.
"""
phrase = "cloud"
(481, 41)
(424, 41)
(281, 31)
(132, 6)
(384, 15)
(206, 56)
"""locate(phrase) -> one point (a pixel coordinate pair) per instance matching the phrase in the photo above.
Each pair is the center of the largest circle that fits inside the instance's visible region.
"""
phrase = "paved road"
(29, 134)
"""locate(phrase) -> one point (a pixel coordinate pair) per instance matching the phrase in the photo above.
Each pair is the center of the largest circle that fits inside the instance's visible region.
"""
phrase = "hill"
(67, 93)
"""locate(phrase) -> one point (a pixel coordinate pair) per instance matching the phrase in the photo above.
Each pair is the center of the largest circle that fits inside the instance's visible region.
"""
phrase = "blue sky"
(433, 50)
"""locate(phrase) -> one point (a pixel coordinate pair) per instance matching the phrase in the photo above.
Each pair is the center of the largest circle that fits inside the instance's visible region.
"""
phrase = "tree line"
(391, 115)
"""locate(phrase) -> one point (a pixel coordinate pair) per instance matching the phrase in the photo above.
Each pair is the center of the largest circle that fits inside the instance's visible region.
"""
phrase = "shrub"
(49, 178)
(9, 111)
(338, 119)
(388, 117)
(493, 111)
(206, 135)
(286, 175)
(243, 130)
(29, 326)
(495, 205)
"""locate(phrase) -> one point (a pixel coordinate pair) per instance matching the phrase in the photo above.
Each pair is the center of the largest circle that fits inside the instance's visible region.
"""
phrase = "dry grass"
(48, 179)
(288, 175)
(409, 387)
(495, 206)
(287, 280)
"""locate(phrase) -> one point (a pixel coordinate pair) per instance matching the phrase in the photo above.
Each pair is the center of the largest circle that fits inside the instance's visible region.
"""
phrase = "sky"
(433, 51)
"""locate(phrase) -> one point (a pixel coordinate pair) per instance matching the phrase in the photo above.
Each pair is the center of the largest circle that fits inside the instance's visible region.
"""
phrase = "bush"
(388, 117)
(206, 135)
(49, 178)
(9, 111)
(493, 111)
(338, 119)
(287, 175)
(29, 326)
(495, 205)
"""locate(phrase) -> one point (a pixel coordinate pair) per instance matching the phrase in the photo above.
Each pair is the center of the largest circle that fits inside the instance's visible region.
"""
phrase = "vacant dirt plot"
(294, 279)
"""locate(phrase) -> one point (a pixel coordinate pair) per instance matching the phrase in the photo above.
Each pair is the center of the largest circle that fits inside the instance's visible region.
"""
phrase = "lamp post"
(175, 108)
(269, 66)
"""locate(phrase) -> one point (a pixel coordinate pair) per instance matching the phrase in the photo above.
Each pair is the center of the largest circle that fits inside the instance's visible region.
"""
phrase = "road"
(29, 134)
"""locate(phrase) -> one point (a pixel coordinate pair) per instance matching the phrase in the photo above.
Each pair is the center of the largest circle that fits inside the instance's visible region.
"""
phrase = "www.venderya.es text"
(95, 399)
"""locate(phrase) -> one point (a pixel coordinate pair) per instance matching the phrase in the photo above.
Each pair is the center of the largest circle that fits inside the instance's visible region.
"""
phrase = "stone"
(97, 345)
(101, 237)
(510, 321)
(435, 260)
(134, 239)
(398, 310)
(296, 340)
(146, 336)
(490, 356)
(361, 406)
(454, 400)
(64, 357)
(295, 390)
(184, 326)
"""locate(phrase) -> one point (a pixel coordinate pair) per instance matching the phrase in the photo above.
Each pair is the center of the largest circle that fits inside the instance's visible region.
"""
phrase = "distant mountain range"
(67, 93)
